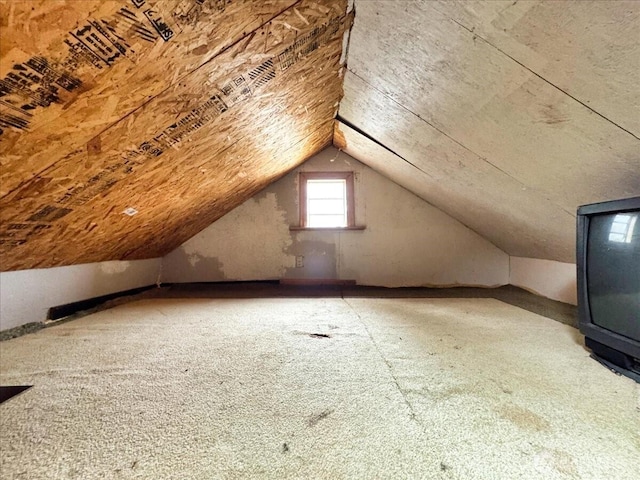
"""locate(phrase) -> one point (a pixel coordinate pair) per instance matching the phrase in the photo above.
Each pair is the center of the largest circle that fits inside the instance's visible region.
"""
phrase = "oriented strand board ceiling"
(506, 115)
(177, 109)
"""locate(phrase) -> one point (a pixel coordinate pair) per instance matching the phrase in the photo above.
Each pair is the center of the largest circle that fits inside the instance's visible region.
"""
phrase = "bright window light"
(326, 203)
(326, 200)
(622, 228)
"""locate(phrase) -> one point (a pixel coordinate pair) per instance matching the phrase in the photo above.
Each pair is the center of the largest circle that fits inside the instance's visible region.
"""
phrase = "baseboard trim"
(61, 311)
(221, 283)
(315, 281)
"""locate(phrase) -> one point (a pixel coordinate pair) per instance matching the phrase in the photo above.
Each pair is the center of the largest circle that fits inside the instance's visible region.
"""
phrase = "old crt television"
(608, 262)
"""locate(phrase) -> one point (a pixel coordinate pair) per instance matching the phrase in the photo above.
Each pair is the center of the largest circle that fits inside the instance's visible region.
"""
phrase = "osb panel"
(71, 69)
(191, 153)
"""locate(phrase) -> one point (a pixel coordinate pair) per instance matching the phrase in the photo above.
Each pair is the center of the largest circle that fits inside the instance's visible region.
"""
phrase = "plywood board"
(72, 69)
(189, 154)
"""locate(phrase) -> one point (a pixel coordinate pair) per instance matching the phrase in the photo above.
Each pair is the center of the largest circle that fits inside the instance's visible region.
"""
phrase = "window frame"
(351, 208)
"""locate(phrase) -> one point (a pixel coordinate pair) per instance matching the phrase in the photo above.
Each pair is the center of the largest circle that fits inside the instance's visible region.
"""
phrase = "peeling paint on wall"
(246, 244)
(111, 268)
(320, 259)
(407, 242)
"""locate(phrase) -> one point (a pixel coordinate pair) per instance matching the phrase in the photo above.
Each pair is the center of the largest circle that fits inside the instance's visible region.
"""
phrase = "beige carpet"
(315, 388)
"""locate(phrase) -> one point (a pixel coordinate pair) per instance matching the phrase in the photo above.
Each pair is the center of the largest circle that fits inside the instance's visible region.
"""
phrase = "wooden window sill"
(324, 229)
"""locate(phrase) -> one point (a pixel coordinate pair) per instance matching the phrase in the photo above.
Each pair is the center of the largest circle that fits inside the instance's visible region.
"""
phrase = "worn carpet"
(314, 388)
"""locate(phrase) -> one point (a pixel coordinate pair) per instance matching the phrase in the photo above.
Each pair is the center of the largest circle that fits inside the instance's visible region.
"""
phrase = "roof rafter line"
(591, 109)
(250, 34)
(433, 202)
(374, 140)
(440, 131)
(484, 159)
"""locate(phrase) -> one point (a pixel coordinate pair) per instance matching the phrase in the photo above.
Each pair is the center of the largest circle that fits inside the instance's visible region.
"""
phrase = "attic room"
(319, 239)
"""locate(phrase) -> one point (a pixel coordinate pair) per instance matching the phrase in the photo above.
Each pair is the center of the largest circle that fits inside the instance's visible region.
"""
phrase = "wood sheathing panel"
(180, 110)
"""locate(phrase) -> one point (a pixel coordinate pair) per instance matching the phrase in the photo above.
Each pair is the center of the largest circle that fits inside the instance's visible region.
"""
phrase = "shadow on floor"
(561, 312)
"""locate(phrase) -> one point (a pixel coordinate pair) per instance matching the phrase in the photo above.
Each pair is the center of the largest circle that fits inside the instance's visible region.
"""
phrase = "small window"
(326, 200)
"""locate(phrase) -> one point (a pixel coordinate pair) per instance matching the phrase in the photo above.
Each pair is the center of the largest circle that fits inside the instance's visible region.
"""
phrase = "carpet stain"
(563, 462)
(314, 419)
(524, 418)
(312, 334)
(559, 460)
(319, 335)
(452, 392)
(285, 447)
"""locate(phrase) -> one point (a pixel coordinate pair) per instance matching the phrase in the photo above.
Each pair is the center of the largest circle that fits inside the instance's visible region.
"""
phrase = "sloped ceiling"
(175, 111)
(506, 115)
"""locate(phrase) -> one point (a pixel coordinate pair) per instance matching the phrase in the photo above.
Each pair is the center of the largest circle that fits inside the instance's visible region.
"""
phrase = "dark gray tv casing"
(608, 338)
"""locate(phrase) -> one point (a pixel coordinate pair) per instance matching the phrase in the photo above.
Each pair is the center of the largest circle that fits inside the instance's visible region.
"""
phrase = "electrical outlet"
(299, 261)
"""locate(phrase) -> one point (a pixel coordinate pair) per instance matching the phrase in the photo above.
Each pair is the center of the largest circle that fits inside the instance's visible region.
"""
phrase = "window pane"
(326, 203)
(326, 188)
(332, 207)
(327, 221)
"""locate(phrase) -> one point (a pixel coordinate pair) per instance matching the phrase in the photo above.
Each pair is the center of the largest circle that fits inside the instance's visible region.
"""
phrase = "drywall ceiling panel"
(590, 50)
(459, 182)
(188, 152)
(417, 76)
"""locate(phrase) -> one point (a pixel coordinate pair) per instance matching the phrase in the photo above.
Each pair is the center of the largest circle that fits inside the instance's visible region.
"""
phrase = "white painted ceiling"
(506, 115)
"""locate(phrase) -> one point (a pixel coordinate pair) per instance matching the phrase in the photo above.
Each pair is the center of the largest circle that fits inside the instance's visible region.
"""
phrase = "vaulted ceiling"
(126, 126)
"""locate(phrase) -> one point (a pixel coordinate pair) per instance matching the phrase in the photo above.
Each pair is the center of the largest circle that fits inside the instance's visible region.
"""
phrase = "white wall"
(407, 242)
(550, 279)
(27, 295)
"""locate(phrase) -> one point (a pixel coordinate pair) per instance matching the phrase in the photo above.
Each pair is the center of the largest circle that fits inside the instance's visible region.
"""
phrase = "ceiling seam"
(346, 122)
(443, 209)
(484, 159)
(345, 58)
(592, 110)
(142, 105)
(250, 34)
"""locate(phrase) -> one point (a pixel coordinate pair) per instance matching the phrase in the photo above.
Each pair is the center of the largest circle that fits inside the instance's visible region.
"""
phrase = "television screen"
(613, 274)
(608, 261)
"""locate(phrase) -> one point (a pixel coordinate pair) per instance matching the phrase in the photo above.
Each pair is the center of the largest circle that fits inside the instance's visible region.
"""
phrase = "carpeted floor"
(425, 388)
